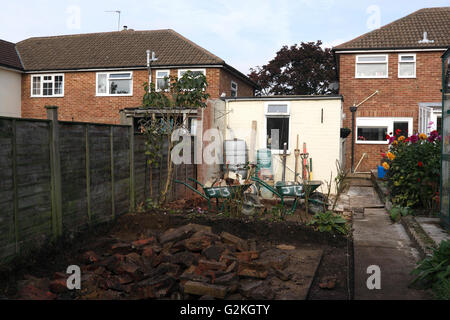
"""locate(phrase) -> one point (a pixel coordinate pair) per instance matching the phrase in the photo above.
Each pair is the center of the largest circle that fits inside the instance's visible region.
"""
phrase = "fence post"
(15, 186)
(55, 167)
(130, 121)
(88, 174)
(113, 201)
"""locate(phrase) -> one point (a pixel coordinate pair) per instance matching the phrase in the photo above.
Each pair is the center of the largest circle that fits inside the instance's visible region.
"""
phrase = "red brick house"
(402, 61)
(90, 77)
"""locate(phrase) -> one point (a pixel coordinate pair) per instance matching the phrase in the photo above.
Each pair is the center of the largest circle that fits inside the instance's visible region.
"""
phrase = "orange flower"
(401, 138)
(386, 166)
(390, 156)
(423, 136)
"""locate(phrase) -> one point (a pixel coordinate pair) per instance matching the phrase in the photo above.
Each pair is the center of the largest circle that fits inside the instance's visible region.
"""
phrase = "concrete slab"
(379, 242)
(433, 228)
(395, 267)
(303, 264)
(363, 197)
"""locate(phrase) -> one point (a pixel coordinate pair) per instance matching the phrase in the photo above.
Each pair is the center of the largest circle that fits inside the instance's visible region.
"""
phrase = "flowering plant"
(414, 169)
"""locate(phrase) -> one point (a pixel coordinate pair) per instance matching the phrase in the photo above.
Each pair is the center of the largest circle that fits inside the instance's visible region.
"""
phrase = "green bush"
(397, 212)
(434, 271)
(414, 170)
(442, 290)
(329, 222)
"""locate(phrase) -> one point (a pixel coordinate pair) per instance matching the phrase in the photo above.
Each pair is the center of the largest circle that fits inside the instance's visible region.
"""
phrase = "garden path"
(379, 242)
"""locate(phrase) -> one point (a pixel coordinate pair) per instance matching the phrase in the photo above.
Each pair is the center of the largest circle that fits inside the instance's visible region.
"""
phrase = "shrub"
(396, 213)
(329, 222)
(434, 271)
(414, 170)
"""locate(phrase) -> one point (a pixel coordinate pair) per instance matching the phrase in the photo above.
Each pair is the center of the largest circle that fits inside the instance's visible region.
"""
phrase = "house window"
(115, 84)
(406, 65)
(49, 85)
(162, 80)
(372, 66)
(277, 126)
(234, 89)
(374, 130)
(194, 71)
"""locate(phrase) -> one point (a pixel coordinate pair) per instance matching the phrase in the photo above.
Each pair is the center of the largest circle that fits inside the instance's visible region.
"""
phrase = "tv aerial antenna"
(118, 12)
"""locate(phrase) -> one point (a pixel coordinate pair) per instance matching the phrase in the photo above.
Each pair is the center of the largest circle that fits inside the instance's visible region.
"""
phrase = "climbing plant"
(165, 117)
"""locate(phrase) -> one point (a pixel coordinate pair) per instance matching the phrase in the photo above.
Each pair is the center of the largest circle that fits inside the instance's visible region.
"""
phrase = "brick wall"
(80, 102)
(397, 97)
(244, 89)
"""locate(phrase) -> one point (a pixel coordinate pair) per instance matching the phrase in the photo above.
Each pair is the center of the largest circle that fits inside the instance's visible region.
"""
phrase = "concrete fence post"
(55, 168)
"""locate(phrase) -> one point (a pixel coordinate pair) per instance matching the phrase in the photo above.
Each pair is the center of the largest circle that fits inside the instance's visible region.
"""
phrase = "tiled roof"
(112, 50)
(407, 32)
(8, 55)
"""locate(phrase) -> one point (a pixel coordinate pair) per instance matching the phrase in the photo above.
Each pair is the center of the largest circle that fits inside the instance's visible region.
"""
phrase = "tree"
(301, 69)
(165, 116)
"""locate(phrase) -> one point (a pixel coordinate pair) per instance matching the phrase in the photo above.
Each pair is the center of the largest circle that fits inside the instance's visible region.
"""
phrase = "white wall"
(10, 93)
(322, 139)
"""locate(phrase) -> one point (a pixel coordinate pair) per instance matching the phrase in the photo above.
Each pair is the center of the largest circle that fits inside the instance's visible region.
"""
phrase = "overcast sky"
(245, 33)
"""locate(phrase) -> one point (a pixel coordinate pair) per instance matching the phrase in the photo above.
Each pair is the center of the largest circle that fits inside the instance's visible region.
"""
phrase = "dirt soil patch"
(118, 261)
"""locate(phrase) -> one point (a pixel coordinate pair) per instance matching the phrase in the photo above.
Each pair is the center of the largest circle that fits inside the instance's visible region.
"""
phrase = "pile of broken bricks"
(189, 262)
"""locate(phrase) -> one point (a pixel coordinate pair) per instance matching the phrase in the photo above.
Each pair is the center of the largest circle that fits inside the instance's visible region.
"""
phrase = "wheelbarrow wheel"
(318, 203)
(249, 204)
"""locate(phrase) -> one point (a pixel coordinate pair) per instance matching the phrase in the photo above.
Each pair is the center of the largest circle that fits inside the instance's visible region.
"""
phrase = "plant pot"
(381, 172)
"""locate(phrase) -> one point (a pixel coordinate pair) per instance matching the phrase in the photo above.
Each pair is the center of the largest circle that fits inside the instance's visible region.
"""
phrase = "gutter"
(9, 68)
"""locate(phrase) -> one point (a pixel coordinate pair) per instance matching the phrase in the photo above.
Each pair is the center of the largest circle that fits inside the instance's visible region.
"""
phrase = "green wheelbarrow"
(226, 193)
(282, 190)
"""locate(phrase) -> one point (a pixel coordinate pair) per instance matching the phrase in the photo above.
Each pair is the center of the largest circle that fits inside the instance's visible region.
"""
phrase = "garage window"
(374, 130)
(277, 126)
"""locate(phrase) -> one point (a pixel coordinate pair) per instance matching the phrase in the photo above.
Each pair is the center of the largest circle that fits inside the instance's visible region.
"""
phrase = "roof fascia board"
(4, 67)
(126, 68)
(275, 98)
(386, 50)
(241, 75)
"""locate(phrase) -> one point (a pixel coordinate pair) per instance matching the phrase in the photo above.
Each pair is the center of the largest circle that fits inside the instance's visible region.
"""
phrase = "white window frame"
(400, 62)
(193, 70)
(268, 114)
(371, 62)
(156, 80)
(380, 122)
(41, 76)
(234, 89)
(107, 94)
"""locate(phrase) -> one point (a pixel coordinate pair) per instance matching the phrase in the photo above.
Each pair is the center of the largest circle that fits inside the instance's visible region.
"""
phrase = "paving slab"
(395, 267)
(379, 242)
(433, 228)
(303, 264)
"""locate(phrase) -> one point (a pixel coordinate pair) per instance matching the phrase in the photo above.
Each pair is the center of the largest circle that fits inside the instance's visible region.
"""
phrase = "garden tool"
(304, 157)
(297, 155)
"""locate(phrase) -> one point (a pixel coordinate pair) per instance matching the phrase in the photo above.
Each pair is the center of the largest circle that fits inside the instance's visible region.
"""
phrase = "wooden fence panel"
(58, 177)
